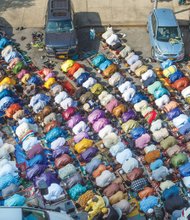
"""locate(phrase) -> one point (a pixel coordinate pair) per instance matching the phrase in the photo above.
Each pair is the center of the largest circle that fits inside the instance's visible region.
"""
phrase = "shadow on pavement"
(6, 26)
(178, 12)
(186, 39)
(6, 4)
(87, 19)
(83, 22)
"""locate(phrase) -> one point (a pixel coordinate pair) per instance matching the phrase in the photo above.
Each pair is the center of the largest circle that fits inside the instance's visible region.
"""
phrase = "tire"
(152, 53)
(147, 27)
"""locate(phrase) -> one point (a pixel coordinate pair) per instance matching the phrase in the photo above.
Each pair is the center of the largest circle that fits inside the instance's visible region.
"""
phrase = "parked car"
(60, 34)
(25, 213)
(165, 35)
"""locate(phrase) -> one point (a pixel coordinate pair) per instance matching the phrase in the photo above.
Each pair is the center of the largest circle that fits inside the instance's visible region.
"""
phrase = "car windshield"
(168, 33)
(32, 214)
(59, 26)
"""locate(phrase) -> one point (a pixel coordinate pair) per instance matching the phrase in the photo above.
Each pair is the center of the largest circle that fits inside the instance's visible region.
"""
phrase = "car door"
(152, 29)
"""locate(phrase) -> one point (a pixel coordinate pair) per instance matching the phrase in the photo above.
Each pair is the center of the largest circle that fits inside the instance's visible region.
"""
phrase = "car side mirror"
(182, 34)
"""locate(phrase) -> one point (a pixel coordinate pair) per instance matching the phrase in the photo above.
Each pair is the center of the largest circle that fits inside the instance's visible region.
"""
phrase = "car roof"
(7, 213)
(59, 10)
(165, 17)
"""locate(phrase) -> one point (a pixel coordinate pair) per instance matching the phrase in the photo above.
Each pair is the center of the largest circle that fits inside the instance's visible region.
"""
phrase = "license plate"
(61, 56)
(171, 58)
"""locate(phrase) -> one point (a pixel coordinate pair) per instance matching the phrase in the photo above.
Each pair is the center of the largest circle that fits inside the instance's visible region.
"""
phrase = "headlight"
(49, 49)
(73, 49)
(157, 50)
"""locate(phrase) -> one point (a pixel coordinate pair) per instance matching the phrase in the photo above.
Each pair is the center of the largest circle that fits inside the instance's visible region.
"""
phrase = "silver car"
(165, 35)
(25, 213)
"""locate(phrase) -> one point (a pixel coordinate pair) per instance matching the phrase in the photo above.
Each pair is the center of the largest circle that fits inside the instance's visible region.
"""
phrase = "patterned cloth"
(138, 185)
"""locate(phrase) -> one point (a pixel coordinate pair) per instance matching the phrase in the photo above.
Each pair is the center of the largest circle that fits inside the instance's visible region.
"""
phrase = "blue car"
(60, 34)
(165, 35)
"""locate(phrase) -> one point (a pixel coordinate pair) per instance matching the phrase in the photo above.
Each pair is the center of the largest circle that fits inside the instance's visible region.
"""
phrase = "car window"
(168, 33)
(59, 26)
(153, 24)
(29, 214)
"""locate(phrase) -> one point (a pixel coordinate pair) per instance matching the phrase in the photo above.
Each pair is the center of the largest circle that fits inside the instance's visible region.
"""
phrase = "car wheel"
(152, 53)
(147, 27)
